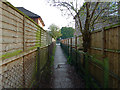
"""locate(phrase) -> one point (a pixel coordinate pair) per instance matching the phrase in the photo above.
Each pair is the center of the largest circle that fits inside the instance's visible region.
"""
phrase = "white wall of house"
(39, 23)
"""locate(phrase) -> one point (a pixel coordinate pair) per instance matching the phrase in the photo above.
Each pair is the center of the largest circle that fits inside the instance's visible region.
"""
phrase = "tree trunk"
(86, 41)
(86, 45)
(86, 33)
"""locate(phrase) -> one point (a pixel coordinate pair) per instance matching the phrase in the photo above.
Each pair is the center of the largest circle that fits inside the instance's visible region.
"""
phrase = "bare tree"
(88, 16)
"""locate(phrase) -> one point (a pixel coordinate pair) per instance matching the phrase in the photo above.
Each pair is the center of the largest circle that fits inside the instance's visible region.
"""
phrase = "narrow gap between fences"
(64, 75)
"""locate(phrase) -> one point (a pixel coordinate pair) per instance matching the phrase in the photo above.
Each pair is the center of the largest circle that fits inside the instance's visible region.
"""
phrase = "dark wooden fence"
(105, 45)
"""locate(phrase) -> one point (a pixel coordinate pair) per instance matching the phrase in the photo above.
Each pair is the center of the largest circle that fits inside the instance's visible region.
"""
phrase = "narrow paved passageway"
(64, 75)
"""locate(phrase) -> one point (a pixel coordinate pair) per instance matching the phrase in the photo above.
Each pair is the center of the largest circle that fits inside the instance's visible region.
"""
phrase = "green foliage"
(55, 32)
(67, 32)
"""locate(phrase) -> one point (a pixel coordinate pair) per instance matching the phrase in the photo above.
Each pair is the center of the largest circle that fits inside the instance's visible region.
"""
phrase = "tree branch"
(87, 21)
(97, 17)
(80, 24)
(94, 10)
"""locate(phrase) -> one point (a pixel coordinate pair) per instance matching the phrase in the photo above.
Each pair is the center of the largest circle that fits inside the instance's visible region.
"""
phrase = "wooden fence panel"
(19, 38)
(105, 43)
(111, 46)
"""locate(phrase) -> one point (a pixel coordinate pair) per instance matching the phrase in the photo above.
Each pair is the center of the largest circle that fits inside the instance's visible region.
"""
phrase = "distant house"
(33, 16)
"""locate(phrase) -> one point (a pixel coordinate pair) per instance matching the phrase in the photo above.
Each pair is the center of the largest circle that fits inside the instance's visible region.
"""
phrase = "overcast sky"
(42, 8)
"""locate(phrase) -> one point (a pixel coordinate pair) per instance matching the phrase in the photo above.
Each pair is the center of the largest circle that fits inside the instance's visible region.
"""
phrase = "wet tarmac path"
(64, 75)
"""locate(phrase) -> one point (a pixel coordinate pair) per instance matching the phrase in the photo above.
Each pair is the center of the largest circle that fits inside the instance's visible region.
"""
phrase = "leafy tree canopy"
(67, 32)
(55, 32)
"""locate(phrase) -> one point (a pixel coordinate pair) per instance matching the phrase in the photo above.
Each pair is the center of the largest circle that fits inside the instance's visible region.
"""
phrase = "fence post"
(106, 64)
(76, 63)
(106, 73)
(38, 65)
(70, 49)
(71, 42)
(76, 43)
(23, 51)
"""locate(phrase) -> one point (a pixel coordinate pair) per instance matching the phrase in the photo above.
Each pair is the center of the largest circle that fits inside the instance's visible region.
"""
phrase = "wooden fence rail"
(105, 43)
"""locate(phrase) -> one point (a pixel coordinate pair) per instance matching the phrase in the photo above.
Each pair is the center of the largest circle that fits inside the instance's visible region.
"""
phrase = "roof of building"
(30, 14)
